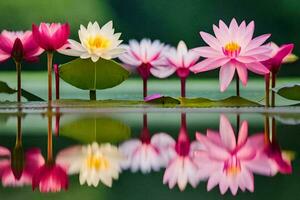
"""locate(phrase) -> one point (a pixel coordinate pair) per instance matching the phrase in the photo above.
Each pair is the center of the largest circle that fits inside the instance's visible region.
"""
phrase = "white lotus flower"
(94, 163)
(95, 43)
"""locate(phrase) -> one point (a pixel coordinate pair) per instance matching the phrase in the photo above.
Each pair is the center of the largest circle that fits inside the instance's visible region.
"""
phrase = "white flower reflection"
(95, 163)
(147, 155)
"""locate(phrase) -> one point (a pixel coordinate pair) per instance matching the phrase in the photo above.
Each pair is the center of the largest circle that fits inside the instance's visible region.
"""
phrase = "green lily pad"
(164, 100)
(4, 88)
(100, 129)
(87, 75)
(233, 101)
(291, 91)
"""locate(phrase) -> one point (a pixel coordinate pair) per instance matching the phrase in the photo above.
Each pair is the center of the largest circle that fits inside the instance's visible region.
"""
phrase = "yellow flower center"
(232, 167)
(233, 170)
(97, 162)
(232, 47)
(97, 42)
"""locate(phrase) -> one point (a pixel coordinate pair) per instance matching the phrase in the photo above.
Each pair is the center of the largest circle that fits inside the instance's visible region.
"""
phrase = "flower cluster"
(233, 49)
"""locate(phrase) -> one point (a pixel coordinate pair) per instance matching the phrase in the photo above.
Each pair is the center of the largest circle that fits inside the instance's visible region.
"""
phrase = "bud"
(17, 51)
(17, 161)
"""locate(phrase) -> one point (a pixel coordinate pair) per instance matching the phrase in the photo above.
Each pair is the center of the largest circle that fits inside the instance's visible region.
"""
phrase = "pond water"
(149, 154)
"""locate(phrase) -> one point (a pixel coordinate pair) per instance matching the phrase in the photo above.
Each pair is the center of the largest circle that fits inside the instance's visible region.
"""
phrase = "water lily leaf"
(164, 100)
(100, 129)
(233, 101)
(291, 91)
(87, 75)
(4, 88)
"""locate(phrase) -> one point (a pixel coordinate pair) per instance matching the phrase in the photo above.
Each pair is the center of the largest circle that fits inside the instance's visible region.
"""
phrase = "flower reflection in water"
(182, 167)
(50, 177)
(17, 167)
(280, 160)
(15, 178)
(230, 163)
(93, 162)
(147, 153)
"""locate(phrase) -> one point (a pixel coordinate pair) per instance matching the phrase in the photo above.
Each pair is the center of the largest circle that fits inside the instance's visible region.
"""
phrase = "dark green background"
(167, 20)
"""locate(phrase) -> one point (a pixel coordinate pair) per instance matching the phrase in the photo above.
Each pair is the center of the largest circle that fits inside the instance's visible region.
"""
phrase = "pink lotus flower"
(13, 177)
(179, 61)
(182, 167)
(278, 56)
(143, 57)
(233, 49)
(18, 45)
(51, 37)
(230, 163)
(50, 178)
(147, 153)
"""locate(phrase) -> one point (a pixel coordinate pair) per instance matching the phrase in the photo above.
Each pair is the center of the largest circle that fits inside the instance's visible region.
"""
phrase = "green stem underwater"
(93, 95)
(19, 94)
(49, 64)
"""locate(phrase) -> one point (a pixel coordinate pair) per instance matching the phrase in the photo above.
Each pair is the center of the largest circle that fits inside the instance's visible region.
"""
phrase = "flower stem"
(274, 131)
(19, 131)
(183, 83)
(273, 85)
(49, 64)
(237, 82)
(267, 90)
(238, 119)
(145, 88)
(49, 147)
(183, 120)
(93, 95)
(56, 70)
(267, 129)
(18, 68)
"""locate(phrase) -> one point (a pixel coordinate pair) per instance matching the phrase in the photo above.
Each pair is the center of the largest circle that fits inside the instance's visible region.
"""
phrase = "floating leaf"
(4, 88)
(233, 101)
(164, 100)
(291, 91)
(100, 129)
(87, 75)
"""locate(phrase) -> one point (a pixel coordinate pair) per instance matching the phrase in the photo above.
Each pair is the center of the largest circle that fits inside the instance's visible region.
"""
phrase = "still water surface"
(149, 155)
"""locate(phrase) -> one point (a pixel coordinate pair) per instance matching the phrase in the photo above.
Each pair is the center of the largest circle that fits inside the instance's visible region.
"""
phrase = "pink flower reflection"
(12, 178)
(230, 163)
(182, 167)
(147, 153)
(279, 161)
(50, 178)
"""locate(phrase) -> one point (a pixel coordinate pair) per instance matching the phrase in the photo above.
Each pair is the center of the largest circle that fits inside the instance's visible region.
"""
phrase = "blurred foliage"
(169, 21)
